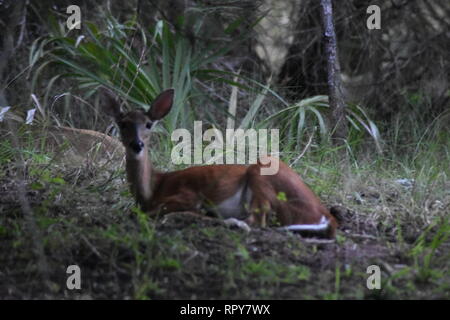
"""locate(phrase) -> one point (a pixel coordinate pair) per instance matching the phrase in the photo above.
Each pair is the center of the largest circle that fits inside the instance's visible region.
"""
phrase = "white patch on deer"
(321, 226)
(235, 206)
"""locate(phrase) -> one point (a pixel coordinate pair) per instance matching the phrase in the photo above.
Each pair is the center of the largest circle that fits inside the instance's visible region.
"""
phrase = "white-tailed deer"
(232, 191)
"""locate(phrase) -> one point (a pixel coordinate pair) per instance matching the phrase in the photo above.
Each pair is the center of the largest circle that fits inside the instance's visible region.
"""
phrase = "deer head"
(135, 126)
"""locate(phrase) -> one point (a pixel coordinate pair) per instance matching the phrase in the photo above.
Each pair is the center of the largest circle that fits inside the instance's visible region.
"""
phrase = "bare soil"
(123, 254)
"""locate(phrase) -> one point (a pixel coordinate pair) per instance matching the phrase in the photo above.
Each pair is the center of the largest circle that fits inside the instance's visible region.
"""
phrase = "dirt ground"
(78, 220)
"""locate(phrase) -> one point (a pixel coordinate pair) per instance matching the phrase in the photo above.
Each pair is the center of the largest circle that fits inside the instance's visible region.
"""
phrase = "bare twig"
(304, 150)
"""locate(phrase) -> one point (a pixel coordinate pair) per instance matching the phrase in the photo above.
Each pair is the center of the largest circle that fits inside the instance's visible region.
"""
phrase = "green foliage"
(359, 120)
(6, 152)
(295, 120)
(292, 119)
(281, 196)
(135, 63)
(424, 251)
(267, 271)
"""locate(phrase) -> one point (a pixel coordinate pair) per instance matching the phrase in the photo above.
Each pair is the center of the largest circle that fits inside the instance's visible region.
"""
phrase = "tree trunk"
(336, 100)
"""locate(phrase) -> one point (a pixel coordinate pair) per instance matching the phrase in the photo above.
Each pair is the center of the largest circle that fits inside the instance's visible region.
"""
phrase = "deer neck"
(140, 176)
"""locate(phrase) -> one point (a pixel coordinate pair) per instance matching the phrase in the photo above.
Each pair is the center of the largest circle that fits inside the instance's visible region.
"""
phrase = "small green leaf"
(281, 196)
(37, 186)
(58, 180)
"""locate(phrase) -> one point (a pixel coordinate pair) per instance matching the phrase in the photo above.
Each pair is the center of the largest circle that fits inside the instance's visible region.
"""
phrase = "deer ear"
(112, 105)
(161, 105)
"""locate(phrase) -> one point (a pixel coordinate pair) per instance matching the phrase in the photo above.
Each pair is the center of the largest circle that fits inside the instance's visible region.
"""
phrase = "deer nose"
(137, 146)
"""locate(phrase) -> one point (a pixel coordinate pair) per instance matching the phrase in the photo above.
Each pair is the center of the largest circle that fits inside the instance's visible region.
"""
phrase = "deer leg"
(262, 194)
(184, 201)
(259, 209)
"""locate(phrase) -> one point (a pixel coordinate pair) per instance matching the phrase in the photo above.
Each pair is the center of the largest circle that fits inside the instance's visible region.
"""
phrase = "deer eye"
(148, 125)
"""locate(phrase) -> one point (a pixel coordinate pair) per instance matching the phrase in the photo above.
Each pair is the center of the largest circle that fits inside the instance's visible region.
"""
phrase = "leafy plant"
(424, 251)
(359, 121)
(292, 119)
(295, 119)
(133, 63)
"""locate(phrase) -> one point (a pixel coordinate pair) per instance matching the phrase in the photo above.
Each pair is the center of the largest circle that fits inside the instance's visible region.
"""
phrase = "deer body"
(217, 188)
(229, 191)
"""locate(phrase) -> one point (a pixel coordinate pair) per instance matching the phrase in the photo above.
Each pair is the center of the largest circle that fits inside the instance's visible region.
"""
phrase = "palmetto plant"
(293, 120)
(135, 63)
